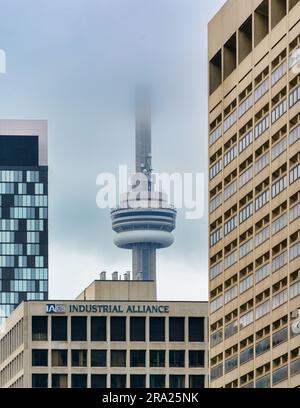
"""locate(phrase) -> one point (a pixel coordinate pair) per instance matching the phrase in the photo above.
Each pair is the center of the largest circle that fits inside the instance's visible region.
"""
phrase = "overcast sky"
(75, 63)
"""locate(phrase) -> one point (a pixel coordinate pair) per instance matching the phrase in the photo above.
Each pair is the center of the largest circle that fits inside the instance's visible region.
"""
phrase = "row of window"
(261, 310)
(118, 358)
(117, 381)
(19, 176)
(118, 332)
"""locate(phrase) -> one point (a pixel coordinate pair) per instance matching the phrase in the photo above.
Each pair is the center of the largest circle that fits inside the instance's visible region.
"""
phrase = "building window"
(216, 338)
(118, 328)
(196, 329)
(262, 126)
(294, 96)
(280, 299)
(294, 174)
(137, 329)
(216, 169)
(295, 290)
(246, 212)
(157, 329)
(263, 346)
(215, 135)
(245, 105)
(262, 200)
(98, 381)
(246, 319)
(263, 382)
(98, 328)
(230, 260)
(78, 328)
(137, 381)
(230, 121)
(98, 358)
(262, 273)
(216, 304)
(231, 329)
(215, 237)
(231, 364)
(137, 358)
(79, 358)
(39, 358)
(216, 270)
(278, 73)
(176, 358)
(176, 329)
(246, 284)
(229, 226)
(157, 358)
(230, 156)
(118, 381)
(246, 355)
(118, 358)
(294, 134)
(261, 90)
(59, 380)
(246, 141)
(177, 381)
(295, 367)
(280, 375)
(157, 381)
(230, 190)
(279, 186)
(59, 358)
(59, 328)
(196, 358)
(79, 381)
(39, 328)
(39, 380)
(230, 294)
(196, 381)
(216, 372)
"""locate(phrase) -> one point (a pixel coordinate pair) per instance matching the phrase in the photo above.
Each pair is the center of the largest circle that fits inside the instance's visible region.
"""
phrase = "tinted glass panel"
(157, 381)
(118, 329)
(59, 328)
(196, 381)
(98, 358)
(196, 358)
(19, 151)
(137, 358)
(176, 358)
(98, 381)
(39, 380)
(157, 358)
(176, 328)
(79, 381)
(118, 358)
(177, 381)
(157, 329)
(118, 381)
(79, 358)
(196, 329)
(137, 381)
(39, 328)
(78, 328)
(59, 381)
(98, 328)
(39, 358)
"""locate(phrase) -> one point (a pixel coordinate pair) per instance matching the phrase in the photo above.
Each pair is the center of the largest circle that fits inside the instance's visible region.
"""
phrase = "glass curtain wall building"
(23, 213)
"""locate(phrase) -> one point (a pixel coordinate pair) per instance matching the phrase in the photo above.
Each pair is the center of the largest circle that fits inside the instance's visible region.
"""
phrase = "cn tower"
(144, 221)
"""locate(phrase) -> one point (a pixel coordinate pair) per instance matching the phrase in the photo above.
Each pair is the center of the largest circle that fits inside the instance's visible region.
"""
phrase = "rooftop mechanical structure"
(144, 221)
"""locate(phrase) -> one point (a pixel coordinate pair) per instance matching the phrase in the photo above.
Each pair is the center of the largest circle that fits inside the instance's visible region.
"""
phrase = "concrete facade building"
(23, 213)
(93, 343)
(254, 192)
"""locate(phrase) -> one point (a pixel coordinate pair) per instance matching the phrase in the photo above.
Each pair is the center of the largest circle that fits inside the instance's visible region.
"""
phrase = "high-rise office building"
(23, 213)
(254, 192)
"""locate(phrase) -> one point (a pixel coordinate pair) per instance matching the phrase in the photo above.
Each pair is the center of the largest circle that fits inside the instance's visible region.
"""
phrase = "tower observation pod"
(144, 220)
